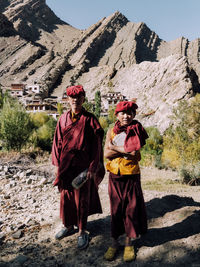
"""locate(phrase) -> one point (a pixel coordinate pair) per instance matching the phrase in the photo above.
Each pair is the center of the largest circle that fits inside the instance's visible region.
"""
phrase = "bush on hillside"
(39, 118)
(88, 106)
(97, 100)
(182, 139)
(44, 131)
(190, 174)
(60, 108)
(152, 151)
(16, 125)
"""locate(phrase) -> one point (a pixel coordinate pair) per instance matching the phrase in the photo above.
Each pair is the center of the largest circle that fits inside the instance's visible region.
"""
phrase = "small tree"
(184, 136)
(72, 81)
(152, 151)
(97, 104)
(88, 105)
(111, 115)
(182, 140)
(1, 98)
(104, 122)
(16, 126)
(39, 118)
(44, 135)
(60, 108)
(44, 128)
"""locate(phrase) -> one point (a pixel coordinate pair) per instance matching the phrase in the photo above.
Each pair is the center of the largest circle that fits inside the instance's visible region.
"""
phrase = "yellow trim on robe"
(74, 116)
(123, 166)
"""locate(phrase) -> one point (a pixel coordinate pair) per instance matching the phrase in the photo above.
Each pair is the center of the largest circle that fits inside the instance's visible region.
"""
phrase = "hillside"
(112, 55)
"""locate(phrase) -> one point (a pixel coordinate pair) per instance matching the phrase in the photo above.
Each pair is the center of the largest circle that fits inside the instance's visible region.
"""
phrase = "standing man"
(77, 146)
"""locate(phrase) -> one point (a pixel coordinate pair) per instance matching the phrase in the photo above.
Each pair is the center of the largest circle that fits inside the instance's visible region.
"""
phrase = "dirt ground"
(173, 237)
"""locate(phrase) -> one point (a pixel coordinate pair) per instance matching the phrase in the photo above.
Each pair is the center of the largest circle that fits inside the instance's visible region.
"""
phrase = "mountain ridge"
(42, 48)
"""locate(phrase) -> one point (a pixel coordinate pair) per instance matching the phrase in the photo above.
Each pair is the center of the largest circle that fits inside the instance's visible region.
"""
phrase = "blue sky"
(170, 19)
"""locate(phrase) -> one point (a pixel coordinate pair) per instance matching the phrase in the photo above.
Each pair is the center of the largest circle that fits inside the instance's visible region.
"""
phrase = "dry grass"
(153, 179)
(160, 184)
(6, 156)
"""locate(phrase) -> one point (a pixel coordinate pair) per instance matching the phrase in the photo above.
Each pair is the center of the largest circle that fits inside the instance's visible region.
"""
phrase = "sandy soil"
(173, 238)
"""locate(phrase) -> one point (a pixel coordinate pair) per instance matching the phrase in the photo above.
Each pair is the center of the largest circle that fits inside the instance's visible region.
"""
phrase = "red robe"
(128, 212)
(77, 146)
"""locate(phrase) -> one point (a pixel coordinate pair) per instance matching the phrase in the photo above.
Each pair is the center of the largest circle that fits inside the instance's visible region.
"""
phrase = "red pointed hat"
(125, 105)
(75, 90)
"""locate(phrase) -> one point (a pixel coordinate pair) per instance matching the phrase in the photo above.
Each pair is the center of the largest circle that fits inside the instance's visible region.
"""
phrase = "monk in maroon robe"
(77, 146)
(122, 149)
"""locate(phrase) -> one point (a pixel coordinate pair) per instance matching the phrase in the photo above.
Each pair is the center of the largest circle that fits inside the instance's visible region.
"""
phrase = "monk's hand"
(133, 153)
(110, 145)
(91, 175)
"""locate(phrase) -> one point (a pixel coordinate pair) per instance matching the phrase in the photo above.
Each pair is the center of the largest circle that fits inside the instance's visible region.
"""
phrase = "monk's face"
(125, 117)
(76, 102)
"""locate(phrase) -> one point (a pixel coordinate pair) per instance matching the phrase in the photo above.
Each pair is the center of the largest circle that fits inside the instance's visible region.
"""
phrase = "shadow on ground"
(161, 246)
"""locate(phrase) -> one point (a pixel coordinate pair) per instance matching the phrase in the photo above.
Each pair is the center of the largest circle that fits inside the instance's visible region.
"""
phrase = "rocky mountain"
(113, 54)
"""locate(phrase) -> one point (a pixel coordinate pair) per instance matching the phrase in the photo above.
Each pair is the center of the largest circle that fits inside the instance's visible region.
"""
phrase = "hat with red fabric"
(76, 90)
(125, 105)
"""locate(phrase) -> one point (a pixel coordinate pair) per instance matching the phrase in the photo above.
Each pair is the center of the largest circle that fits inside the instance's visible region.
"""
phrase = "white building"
(17, 89)
(35, 88)
(110, 99)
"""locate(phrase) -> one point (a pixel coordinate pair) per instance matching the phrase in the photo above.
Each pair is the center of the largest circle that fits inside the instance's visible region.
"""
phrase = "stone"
(43, 181)
(28, 172)
(5, 168)
(18, 234)
(21, 174)
(29, 181)
(2, 236)
(21, 259)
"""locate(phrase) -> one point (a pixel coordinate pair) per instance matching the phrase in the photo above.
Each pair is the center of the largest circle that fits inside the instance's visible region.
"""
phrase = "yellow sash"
(122, 165)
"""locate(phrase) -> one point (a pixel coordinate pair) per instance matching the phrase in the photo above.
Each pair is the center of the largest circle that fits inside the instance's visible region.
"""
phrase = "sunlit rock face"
(113, 54)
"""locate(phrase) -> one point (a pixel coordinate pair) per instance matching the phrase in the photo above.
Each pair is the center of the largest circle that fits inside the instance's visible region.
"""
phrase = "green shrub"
(16, 125)
(43, 135)
(60, 108)
(88, 106)
(152, 151)
(111, 115)
(104, 122)
(97, 104)
(182, 140)
(39, 118)
(1, 98)
(190, 174)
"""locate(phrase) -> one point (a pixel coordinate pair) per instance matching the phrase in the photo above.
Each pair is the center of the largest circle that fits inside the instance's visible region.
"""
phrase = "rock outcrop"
(29, 17)
(113, 54)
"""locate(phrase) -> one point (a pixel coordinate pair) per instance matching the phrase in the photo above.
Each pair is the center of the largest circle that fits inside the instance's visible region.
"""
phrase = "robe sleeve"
(57, 143)
(97, 149)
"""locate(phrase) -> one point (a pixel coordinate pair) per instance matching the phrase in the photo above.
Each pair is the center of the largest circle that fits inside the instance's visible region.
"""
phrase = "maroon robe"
(128, 212)
(77, 146)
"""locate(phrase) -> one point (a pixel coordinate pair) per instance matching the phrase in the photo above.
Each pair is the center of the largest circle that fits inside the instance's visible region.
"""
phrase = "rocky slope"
(113, 54)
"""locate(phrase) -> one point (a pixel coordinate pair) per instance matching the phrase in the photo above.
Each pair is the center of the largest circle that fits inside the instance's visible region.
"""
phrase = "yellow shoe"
(129, 253)
(110, 254)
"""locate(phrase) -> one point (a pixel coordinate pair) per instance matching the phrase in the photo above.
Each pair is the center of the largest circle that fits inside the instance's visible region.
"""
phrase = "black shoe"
(64, 232)
(83, 241)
